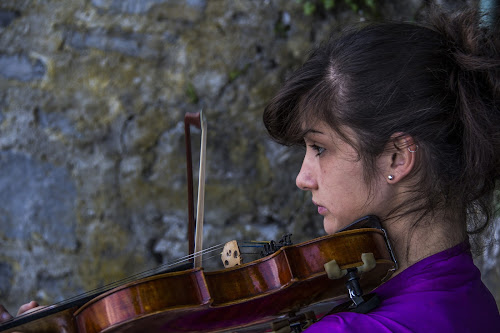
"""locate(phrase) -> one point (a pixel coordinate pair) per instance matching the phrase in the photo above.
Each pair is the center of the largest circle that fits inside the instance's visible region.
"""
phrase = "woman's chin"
(330, 227)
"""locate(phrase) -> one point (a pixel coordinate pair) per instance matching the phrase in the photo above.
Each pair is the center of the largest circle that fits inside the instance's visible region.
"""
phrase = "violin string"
(159, 268)
(134, 277)
(196, 254)
(144, 274)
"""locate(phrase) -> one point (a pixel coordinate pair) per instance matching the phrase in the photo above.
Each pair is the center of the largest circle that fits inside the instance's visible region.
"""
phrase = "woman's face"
(333, 172)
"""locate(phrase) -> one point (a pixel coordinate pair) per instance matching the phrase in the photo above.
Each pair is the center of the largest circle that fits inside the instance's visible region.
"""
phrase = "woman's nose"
(305, 180)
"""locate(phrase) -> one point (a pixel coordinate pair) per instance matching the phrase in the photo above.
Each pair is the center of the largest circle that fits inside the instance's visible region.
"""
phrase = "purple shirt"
(441, 293)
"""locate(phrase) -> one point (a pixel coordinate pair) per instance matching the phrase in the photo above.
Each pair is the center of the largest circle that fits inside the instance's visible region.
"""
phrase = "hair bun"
(473, 46)
(474, 78)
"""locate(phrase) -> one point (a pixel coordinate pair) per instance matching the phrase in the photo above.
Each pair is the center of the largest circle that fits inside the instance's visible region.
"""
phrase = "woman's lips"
(321, 210)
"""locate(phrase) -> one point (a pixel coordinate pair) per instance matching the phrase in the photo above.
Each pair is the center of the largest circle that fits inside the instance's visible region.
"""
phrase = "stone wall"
(92, 155)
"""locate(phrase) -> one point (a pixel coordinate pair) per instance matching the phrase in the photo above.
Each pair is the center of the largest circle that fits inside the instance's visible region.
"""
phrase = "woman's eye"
(319, 150)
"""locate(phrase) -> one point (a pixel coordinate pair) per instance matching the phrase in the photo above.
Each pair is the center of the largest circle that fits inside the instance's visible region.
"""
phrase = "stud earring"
(413, 151)
(390, 177)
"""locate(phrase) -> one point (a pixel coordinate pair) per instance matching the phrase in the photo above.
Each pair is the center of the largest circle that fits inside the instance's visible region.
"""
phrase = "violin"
(187, 298)
(233, 298)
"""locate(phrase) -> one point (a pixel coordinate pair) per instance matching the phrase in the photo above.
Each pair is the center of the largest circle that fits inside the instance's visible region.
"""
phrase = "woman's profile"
(402, 121)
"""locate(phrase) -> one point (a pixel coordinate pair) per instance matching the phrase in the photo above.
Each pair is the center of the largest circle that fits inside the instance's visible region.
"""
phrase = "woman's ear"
(403, 152)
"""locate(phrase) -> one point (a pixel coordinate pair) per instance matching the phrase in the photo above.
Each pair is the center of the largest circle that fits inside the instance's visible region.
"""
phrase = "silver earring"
(413, 151)
(390, 177)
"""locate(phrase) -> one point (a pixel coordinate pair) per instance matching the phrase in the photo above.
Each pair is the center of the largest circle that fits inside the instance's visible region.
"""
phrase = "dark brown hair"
(437, 82)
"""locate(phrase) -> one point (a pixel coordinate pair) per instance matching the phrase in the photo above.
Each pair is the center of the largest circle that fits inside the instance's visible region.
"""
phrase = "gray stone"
(171, 9)
(21, 67)
(37, 191)
(132, 44)
(7, 16)
(6, 274)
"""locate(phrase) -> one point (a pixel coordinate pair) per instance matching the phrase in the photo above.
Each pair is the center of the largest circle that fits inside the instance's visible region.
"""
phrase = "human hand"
(25, 308)
(28, 307)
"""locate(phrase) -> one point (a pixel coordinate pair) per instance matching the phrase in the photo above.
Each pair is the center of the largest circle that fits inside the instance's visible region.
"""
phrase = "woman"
(402, 121)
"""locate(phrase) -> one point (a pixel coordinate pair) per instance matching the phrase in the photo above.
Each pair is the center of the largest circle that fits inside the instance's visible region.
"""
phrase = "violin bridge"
(231, 255)
(334, 272)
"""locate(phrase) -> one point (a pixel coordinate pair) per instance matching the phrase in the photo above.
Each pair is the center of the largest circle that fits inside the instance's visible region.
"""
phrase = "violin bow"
(198, 244)
(195, 241)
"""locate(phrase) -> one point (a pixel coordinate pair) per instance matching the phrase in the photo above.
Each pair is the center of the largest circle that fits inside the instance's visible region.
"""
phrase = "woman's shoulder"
(427, 317)
(442, 293)
(439, 311)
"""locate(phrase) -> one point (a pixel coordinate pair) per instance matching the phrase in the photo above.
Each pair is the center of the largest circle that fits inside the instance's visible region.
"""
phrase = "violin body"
(234, 298)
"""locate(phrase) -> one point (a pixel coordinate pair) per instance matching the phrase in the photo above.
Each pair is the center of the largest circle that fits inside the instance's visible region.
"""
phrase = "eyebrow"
(313, 131)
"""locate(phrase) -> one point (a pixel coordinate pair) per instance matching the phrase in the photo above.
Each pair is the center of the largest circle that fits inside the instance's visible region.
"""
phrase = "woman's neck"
(413, 241)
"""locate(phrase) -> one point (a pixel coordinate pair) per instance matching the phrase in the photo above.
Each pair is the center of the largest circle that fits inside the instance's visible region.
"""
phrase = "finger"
(26, 307)
(4, 314)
